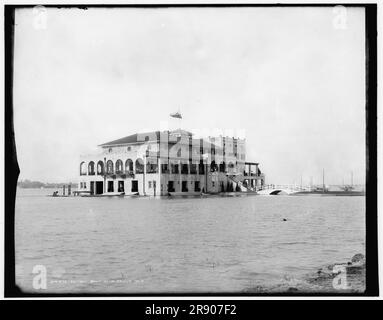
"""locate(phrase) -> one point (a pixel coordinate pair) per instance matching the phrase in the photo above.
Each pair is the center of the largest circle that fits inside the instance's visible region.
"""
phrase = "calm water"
(182, 245)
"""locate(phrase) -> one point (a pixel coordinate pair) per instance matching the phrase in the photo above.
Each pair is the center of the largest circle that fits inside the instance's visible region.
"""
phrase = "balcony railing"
(252, 174)
(130, 174)
(111, 175)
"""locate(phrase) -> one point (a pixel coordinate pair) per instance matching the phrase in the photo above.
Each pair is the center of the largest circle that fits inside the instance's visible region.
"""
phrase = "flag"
(176, 115)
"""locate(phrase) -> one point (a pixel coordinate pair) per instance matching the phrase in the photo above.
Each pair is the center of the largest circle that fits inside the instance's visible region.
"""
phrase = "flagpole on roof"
(179, 119)
(178, 116)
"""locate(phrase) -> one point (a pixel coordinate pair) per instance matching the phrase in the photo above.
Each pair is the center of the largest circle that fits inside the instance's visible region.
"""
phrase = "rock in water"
(358, 259)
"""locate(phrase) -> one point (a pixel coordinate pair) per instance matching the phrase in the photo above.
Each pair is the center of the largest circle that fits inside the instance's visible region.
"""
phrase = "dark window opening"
(201, 168)
(193, 168)
(175, 168)
(171, 186)
(110, 186)
(185, 169)
(99, 187)
(134, 186)
(164, 168)
(151, 167)
(213, 166)
(121, 186)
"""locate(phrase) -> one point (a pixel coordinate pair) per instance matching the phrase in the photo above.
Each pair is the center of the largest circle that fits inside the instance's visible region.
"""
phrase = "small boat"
(112, 194)
(188, 193)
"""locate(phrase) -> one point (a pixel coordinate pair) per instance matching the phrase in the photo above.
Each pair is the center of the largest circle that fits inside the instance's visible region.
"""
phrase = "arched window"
(82, 169)
(129, 166)
(151, 166)
(139, 165)
(109, 167)
(213, 166)
(91, 168)
(119, 166)
(100, 168)
(222, 166)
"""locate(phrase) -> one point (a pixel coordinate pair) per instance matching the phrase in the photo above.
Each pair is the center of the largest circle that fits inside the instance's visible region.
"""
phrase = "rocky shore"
(342, 277)
(337, 278)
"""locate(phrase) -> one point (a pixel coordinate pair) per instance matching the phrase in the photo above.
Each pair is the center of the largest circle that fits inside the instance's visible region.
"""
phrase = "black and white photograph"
(192, 150)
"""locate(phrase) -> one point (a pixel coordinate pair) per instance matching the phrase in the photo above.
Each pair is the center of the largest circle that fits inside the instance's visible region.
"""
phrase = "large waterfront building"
(163, 162)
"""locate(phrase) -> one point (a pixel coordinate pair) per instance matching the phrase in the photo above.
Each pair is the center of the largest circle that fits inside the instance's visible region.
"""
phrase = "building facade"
(159, 163)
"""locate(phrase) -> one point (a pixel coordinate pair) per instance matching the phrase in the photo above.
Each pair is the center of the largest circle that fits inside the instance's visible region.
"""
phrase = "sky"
(292, 80)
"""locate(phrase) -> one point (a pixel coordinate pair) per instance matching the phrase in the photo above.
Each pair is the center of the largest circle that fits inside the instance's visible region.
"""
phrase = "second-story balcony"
(110, 174)
(121, 174)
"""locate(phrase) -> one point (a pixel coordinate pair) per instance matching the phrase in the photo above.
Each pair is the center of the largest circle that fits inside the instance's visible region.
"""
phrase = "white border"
(379, 133)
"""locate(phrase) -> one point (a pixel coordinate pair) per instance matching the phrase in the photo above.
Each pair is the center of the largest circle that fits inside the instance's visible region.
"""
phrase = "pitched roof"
(134, 138)
(182, 132)
(141, 138)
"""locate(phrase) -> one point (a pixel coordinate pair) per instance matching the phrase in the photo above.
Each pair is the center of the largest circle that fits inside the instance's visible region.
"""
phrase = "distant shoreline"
(28, 184)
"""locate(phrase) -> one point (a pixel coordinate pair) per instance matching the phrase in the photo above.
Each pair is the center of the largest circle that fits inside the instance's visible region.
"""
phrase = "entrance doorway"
(134, 185)
(92, 188)
(99, 187)
(121, 186)
(170, 186)
(110, 186)
(185, 186)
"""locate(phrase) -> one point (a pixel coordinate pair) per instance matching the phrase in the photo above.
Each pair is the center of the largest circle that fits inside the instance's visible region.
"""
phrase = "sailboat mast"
(323, 180)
